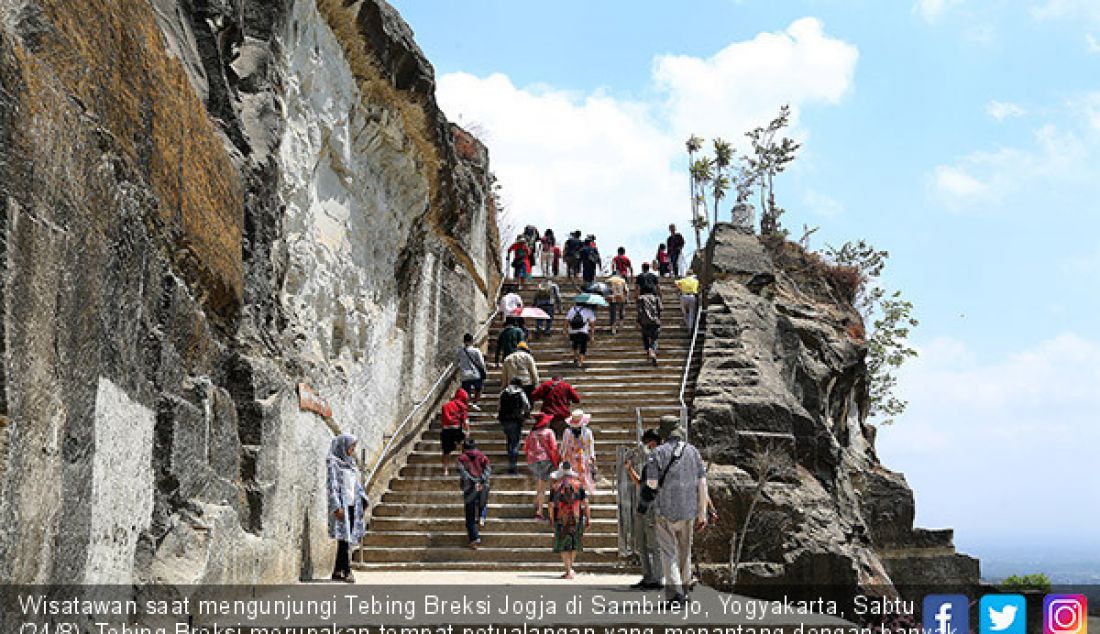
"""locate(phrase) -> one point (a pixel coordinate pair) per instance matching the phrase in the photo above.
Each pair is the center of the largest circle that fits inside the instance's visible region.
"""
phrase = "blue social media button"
(946, 614)
(1002, 614)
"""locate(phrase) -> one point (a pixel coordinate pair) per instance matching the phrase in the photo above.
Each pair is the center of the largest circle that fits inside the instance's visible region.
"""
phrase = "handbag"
(648, 494)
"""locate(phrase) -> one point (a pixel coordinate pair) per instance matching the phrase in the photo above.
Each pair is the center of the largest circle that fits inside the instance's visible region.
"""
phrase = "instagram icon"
(1065, 614)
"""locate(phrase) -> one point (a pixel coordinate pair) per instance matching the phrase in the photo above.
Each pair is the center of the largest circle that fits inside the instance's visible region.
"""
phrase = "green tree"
(1037, 582)
(771, 154)
(698, 221)
(723, 157)
(891, 319)
(702, 173)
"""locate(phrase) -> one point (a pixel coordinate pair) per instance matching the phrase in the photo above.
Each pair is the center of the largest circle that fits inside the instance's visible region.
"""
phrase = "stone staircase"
(419, 525)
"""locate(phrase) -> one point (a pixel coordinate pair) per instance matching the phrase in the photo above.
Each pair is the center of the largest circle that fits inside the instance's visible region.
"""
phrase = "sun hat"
(578, 418)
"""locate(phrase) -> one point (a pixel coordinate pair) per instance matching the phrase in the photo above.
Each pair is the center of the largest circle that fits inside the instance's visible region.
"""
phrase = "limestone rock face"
(203, 204)
(783, 373)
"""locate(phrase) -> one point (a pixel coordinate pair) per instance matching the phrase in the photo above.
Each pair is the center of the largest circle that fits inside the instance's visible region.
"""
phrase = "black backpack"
(577, 321)
(513, 405)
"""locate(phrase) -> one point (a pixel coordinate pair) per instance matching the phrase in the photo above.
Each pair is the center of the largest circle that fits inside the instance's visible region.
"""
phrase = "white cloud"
(1088, 108)
(742, 85)
(591, 163)
(1085, 266)
(932, 10)
(1022, 427)
(1001, 110)
(957, 183)
(983, 177)
(822, 204)
(1056, 9)
(615, 167)
(1092, 43)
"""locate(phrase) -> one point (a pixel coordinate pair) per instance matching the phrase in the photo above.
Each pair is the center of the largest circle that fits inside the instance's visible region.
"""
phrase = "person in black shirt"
(590, 260)
(571, 254)
(675, 244)
(647, 282)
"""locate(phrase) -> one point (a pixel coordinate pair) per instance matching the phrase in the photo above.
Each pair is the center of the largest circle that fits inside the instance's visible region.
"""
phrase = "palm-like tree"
(702, 172)
(723, 156)
(694, 144)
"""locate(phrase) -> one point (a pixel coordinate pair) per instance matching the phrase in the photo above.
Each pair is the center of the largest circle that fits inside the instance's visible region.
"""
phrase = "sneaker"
(474, 545)
(641, 585)
(475, 407)
(481, 521)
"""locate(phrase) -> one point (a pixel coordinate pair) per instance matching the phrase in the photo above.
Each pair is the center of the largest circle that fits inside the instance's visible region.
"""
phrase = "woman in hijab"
(475, 470)
(346, 503)
(578, 448)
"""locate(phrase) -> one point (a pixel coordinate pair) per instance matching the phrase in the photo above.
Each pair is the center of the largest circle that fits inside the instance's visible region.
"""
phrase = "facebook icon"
(946, 614)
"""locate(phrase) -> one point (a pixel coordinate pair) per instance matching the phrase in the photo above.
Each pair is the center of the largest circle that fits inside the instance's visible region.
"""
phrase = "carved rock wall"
(201, 204)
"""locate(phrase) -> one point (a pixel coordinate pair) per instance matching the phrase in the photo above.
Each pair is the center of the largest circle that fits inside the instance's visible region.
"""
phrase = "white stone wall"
(352, 188)
(122, 484)
(356, 191)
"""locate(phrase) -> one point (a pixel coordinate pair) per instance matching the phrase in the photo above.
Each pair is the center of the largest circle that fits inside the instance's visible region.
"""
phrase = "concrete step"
(605, 459)
(487, 553)
(490, 538)
(433, 470)
(489, 441)
(595, 381)
(551, 569)
(456, 509)
(603, 417)
(419, 523)
(527, 524)
(504, 489)
(442, 494)
(639, 392)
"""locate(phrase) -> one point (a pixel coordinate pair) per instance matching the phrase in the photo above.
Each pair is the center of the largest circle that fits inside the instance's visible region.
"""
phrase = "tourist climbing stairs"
(419, 522)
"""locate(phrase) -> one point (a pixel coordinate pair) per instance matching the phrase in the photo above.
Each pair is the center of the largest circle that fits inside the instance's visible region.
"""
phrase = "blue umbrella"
(590, 299)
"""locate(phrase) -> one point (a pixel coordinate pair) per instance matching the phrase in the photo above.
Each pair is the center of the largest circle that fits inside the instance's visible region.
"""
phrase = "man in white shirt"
(580, 325)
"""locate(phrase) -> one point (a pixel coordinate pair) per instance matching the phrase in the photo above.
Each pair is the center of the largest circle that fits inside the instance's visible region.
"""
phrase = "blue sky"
(961, 136)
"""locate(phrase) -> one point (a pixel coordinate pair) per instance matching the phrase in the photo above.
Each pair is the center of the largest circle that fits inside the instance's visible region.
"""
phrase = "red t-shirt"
(622, 265)
(556, 398)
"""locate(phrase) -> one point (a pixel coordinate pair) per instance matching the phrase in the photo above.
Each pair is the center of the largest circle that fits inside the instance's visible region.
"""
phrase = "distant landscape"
(1060, 567)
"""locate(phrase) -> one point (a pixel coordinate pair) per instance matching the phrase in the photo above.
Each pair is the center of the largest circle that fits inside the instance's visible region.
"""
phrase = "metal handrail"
(444, 377)
(684, 422)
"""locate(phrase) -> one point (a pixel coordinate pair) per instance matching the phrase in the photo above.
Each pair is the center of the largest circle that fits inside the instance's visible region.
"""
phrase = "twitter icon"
(1002, 614)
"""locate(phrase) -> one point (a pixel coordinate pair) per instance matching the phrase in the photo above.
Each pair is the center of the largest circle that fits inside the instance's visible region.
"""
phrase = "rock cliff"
(203, 204)
(783, 375)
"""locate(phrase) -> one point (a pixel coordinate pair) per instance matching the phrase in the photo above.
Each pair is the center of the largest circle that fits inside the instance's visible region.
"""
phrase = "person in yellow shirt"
(689, 297)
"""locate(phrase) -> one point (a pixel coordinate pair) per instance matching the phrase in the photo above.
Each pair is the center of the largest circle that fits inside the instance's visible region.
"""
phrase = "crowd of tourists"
(560, 447)
(582, 257)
